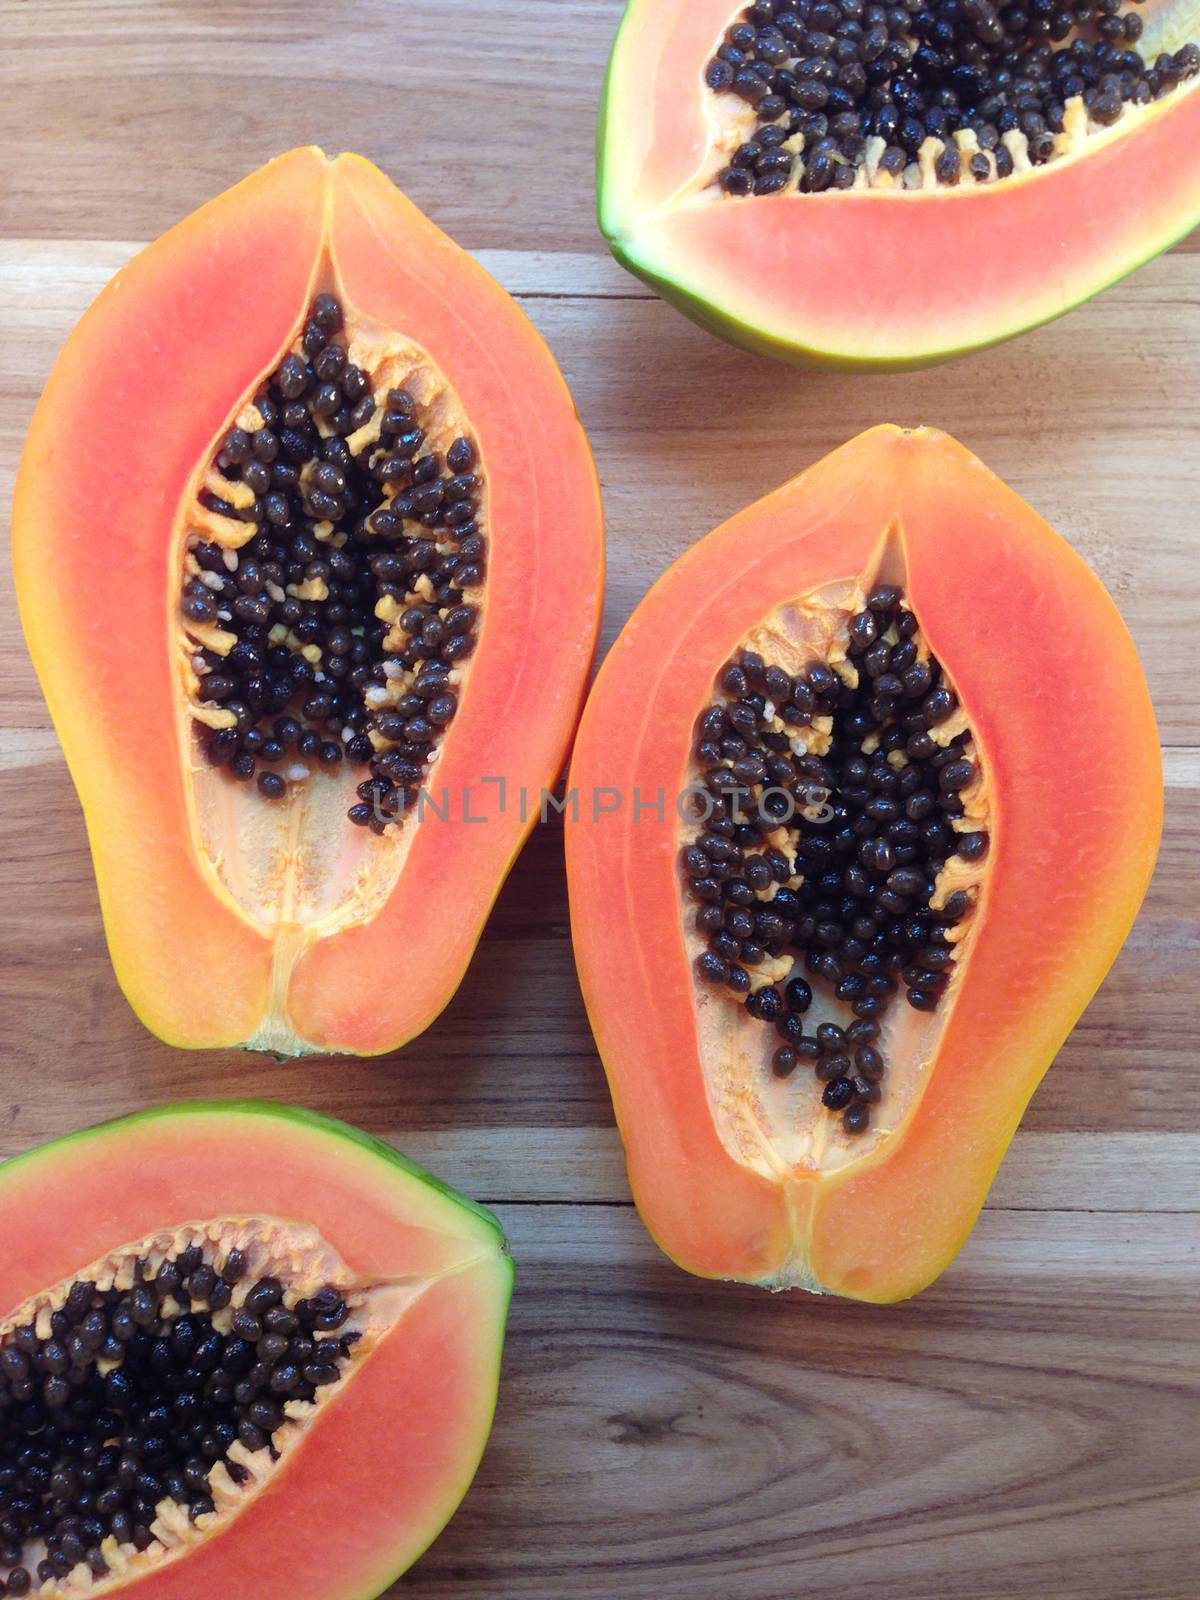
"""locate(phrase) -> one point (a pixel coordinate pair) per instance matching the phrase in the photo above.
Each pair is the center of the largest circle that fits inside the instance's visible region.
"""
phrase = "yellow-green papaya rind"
(381, 1467)
(877, 280)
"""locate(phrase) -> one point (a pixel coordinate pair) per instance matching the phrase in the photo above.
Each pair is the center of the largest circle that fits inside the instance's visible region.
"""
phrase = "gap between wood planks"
(527, 274)
(1012, 1249)
(1094, 1173)
(1085, 1174)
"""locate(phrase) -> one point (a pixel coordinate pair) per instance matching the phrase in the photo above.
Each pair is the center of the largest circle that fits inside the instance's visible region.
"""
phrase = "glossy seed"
(784, 1061)
(799, 996)
(869, 1063)
(830, 1067)
(830, 1037)
(711, 968)
(856, 1119)
(837, 1094)
(921, 1001)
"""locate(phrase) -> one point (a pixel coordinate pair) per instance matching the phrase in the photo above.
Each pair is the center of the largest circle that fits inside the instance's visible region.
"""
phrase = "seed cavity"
(838, 94)
(840, 841)
(333, 573)
(145, 1399)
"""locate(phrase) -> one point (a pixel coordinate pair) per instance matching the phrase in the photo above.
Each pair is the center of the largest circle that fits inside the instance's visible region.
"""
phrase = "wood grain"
(660, 1439)
(513, 1048)
(1025, 1430)
(687, 430)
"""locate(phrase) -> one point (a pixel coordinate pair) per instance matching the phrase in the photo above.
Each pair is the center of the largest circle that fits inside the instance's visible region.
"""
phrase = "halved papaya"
(244, 1350)
(890, 186)
(866, 797)
(329, 523)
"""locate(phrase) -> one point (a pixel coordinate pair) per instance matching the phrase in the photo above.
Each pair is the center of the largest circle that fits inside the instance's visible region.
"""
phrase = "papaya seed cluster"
(126, 1409)
(836, 798)
(335, 632)
(927, 92)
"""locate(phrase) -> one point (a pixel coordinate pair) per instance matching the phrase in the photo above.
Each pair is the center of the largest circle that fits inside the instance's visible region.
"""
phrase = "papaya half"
(875, 186)
(864, 802)
(312, 594)
(244, 1350)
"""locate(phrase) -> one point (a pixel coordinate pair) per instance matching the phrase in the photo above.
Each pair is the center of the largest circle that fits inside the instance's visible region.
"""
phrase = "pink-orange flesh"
(875, 277)
(386, 1461)
(1054, 694)
(183, 337)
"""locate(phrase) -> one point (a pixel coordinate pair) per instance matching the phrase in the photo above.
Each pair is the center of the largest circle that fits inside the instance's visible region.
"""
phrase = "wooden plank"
(686, 431)
(425, 88)
(39, 276)
(1113, 1172)
(1026, 1428)
(1091, 1172)
(513, 1048)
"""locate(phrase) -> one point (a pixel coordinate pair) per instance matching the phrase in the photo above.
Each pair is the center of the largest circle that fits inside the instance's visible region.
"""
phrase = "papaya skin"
(866, 283)
(1040, 660)
(384, 1466)
(263, 237)
(199, 970)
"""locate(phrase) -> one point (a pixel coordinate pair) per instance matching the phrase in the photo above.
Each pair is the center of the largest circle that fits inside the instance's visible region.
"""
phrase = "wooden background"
(1029, 1426)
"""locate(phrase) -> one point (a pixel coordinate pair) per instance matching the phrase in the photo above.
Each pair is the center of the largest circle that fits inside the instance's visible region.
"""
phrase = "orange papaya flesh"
(256, 912)
(740, 1173)
(894, 271)
(169, 1249)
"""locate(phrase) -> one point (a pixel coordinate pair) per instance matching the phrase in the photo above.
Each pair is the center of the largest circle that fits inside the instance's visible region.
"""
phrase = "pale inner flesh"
(295, 868)
(731, 122)
(305, 1263)
(779, 1127)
